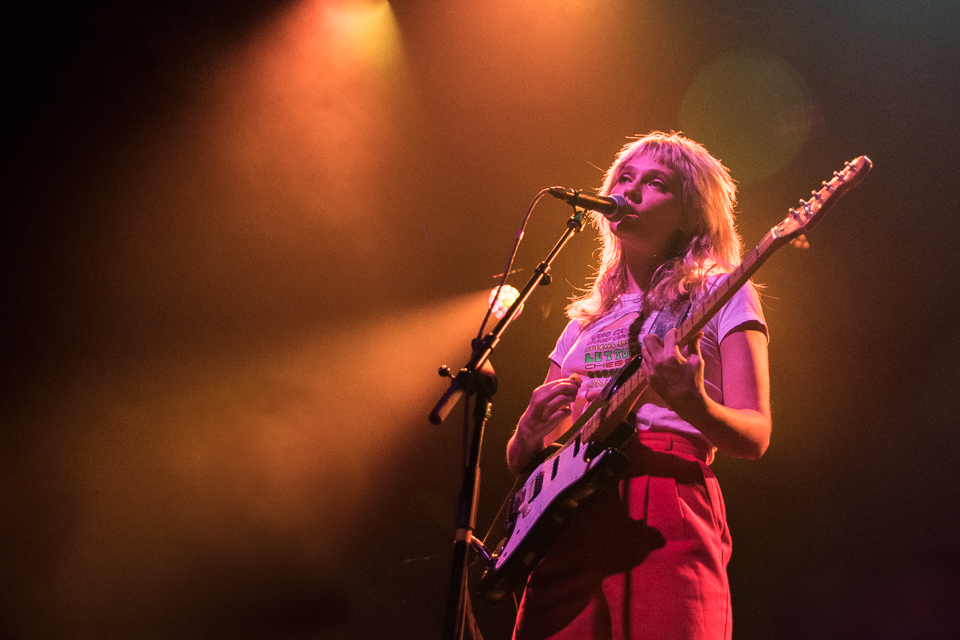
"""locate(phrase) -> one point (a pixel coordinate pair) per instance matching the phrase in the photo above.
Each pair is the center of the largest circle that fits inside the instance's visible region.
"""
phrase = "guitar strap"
(663, 321)
(666, 320)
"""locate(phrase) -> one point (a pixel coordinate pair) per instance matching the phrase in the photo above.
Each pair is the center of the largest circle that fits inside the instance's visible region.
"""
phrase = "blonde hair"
(707, 243)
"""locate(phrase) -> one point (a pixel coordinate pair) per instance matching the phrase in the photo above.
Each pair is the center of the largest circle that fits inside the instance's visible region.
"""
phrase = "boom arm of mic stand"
(464, 381)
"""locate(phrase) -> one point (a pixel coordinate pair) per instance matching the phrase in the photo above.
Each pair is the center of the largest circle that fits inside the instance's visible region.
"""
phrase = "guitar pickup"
(537, 485)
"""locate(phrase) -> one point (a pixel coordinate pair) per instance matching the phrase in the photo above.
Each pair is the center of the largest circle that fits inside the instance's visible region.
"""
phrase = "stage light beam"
(363, 31)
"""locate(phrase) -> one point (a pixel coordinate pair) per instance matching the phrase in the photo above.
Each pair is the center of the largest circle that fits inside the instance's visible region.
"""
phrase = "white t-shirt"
(598, 353)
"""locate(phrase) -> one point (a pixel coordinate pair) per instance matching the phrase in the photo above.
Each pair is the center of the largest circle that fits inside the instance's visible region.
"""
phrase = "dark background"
(239, 239)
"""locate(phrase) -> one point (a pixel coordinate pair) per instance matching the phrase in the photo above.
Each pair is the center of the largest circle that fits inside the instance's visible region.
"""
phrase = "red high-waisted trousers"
(645, 560)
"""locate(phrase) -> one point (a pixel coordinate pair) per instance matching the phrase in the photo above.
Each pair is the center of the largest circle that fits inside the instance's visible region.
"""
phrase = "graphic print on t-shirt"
(611, 348)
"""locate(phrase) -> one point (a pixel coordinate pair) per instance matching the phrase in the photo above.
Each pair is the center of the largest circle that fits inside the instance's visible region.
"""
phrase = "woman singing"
(646, 558)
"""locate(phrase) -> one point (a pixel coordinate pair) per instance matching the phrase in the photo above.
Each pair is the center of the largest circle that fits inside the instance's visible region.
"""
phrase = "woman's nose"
(633, 192)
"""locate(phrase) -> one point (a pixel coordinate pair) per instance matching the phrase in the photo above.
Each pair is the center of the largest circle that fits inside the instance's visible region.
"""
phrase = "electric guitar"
(564, 476)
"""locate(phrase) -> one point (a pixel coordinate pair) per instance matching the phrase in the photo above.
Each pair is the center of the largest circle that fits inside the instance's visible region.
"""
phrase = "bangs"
(669, 150)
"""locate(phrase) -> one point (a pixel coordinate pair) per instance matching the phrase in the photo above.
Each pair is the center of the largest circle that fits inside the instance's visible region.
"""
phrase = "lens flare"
(750, 109)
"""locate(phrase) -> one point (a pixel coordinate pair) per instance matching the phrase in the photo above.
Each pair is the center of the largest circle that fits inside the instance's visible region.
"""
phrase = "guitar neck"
(728, 285)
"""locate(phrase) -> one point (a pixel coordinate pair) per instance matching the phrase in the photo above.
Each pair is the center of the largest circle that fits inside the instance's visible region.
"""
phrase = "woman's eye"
(658, 184)
(623, 178)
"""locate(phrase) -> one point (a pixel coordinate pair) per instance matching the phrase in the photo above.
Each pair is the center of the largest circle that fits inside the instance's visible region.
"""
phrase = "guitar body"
(547, 497)
(543, 500)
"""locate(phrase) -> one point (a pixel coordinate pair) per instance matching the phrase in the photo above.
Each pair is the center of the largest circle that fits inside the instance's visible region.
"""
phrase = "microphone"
(613, 208)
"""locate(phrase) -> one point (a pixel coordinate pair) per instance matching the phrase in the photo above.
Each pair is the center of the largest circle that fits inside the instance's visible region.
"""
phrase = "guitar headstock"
(803, 217)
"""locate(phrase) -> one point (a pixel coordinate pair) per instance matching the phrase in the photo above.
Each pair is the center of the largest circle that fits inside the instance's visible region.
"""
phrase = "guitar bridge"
(514, 511)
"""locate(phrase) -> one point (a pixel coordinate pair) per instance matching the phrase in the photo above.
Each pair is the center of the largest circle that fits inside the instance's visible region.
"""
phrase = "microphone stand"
(477, 378)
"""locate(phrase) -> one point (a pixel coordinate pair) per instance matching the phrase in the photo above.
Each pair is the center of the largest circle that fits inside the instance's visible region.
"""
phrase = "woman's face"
(653, 191)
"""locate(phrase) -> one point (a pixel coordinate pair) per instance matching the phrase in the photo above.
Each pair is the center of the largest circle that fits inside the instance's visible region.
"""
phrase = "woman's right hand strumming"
(546, 417)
